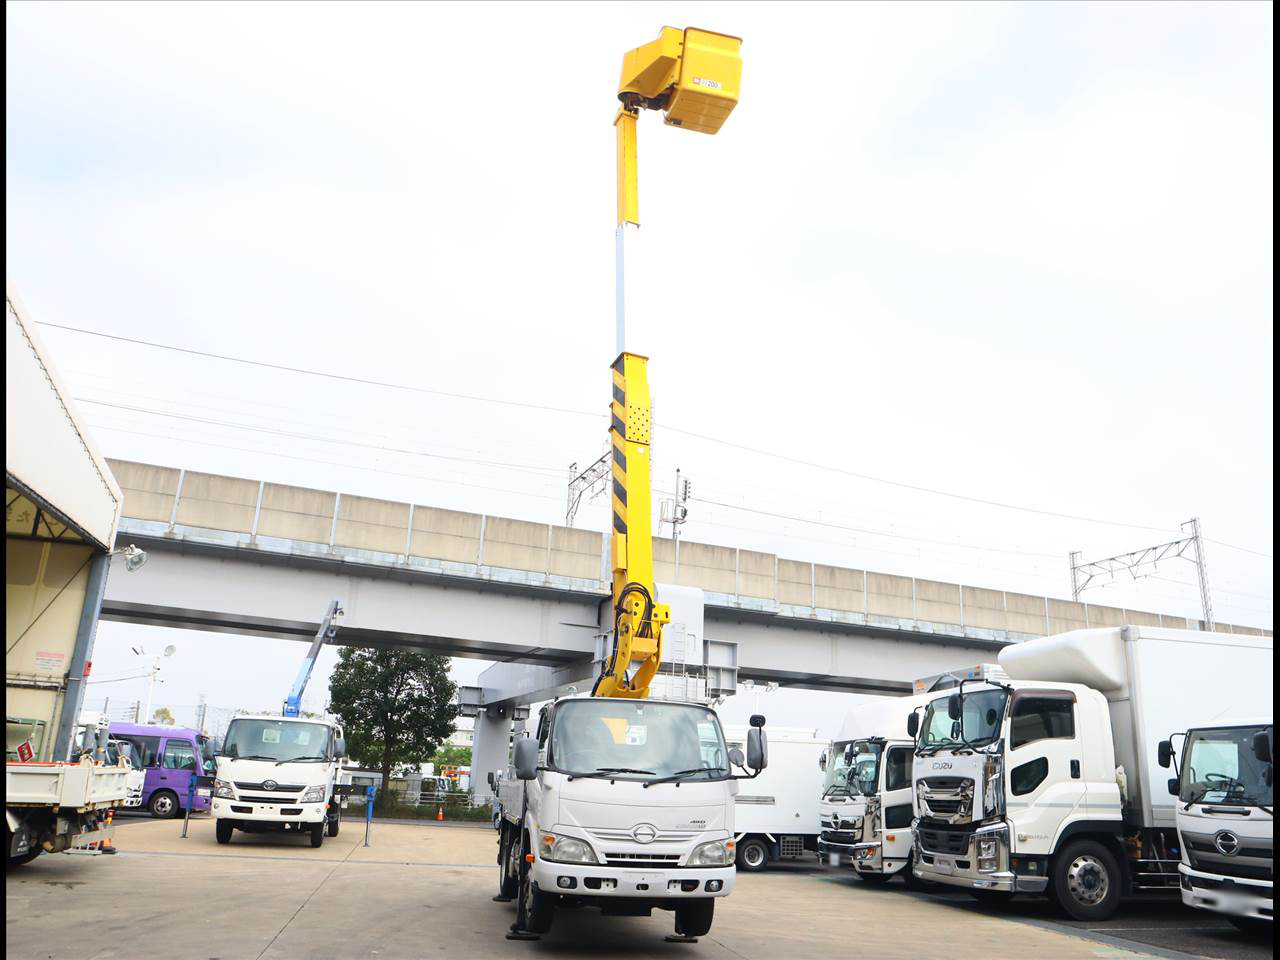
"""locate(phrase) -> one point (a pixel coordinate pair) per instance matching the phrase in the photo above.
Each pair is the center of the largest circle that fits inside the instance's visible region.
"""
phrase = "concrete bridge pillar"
(490, 748)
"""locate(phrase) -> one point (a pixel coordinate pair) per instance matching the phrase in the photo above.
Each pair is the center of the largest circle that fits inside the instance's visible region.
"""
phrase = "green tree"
(396, 706)
(450, 755)
(163, 715)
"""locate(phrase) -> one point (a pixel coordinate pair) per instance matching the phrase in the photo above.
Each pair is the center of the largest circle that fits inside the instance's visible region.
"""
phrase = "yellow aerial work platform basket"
(693, 76)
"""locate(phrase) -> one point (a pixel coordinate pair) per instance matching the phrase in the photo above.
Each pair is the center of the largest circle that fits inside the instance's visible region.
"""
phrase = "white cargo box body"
(784, 799)
(1157, 682)
(78, 786)
(886, 717)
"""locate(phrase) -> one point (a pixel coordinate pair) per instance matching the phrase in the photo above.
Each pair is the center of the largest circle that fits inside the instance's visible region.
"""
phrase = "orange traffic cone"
(440, 813)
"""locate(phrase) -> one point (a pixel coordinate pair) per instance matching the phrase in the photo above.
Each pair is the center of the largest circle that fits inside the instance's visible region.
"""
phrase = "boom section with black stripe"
(637, 618)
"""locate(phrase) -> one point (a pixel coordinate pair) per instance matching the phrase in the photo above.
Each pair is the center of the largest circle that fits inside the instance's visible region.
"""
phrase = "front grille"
(948, 784)
(642, 859)
(1258, 853)
(1227, 868)
(248, 799)
(664, 836)
(949, 842)
(278, 788)
(1206, 884)
(839, 836)
(943, 806)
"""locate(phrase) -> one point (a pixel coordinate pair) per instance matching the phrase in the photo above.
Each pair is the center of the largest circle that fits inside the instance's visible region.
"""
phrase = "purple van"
(169, 755)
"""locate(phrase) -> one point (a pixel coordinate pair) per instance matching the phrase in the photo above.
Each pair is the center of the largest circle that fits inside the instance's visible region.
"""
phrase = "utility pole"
(1082, 574)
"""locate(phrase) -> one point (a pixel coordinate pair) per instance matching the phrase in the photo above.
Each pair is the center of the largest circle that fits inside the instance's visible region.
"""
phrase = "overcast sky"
(1020, 253)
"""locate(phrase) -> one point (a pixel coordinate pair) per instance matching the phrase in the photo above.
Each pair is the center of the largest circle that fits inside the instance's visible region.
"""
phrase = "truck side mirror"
(490, 779)
(822, 761)
(757, 720)
(1173, 786)
(953, 707)
(736, 757)
(1262, 746)
(340, 747)
(913, 725)
(526, 758)
(1164, 753)
(757, 749)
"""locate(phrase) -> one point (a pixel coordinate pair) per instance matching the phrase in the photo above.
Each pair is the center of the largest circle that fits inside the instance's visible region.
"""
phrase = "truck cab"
(278, 773)
(622, 804)
(1225, 793)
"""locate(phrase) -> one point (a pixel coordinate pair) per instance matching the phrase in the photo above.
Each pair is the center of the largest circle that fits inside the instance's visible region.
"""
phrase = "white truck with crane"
(1225, 794)
(621, 801)
(283, 773)
(1050, 782)
(62, 507)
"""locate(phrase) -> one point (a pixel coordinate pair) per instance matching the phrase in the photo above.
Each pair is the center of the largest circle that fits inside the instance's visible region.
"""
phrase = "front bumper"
(1226, 895)
(600, 880)
(224, 809)
(960, 869)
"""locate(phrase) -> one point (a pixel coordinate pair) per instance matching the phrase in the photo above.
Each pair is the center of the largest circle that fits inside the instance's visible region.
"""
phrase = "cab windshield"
(280, 740)
(1220, 768)
(864, 766)
(637, 741)
(981, 713)
(836, 776)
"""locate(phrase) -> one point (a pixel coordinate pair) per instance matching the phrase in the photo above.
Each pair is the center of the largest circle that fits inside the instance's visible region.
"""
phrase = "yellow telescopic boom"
(693, 77)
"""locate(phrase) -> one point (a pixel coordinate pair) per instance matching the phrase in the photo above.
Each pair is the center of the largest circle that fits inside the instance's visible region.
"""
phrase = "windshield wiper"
(679, 774)
(621, 770)
(601, 773)
(252, 756)
(299, 760)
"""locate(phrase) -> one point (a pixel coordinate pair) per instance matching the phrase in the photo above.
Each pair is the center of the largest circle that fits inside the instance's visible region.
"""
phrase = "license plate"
(944, 865)
(834, 859)
(203, 793)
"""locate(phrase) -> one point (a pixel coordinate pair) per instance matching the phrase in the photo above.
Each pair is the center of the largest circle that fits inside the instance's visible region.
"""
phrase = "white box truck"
(1225, 793)
(624, 805)
(776, 814)
(1050, 783)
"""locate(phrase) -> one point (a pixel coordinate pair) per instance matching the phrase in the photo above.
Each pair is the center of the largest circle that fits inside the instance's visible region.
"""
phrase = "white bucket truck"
(1224, 790)
(622, 804)
(1050, 783)
(776, 818)
(866, 808)
(280, 774)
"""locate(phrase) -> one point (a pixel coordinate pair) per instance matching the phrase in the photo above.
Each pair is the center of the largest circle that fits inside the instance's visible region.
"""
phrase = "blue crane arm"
(328, 630)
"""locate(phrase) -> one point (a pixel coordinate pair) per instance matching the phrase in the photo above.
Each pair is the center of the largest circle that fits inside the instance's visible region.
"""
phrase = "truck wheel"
(163, 805)
(334, 819)
(693, 919)
(539, 907)
(224, 829)
(752, 857)
(910, 879)
(508, 859)
(1085, 882)
(317, 833)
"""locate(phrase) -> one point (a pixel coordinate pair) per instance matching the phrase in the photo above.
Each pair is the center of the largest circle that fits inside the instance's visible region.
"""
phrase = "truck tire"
(317, 833)
(334, 818)
(753, 855)
(910, 879)
(693, 919)
(508, 857)
(1085, 881)
(224, 829)
(164, 805)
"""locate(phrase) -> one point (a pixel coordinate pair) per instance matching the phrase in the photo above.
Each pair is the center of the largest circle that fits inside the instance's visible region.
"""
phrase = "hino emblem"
(1228, 843)
(942, 765)
(269, 784)
(644, 833)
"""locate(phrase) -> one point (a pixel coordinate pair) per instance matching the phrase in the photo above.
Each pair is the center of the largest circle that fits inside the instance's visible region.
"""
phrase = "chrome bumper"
(961, 869)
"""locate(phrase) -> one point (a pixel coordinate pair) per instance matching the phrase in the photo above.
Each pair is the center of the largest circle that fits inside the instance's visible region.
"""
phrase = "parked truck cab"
(1225, 794)
(624, 805)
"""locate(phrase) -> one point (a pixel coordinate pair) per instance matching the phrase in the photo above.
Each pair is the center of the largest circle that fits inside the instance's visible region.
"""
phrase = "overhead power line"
(933, 491)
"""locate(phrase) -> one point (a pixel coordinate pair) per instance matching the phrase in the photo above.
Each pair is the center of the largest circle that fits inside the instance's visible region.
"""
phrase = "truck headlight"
(313, 794)
(717, 853)
(553, 846)
(989, 851)
(221, 788)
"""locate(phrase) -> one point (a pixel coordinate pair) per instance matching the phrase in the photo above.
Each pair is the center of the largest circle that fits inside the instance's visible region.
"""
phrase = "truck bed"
(78, 786)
